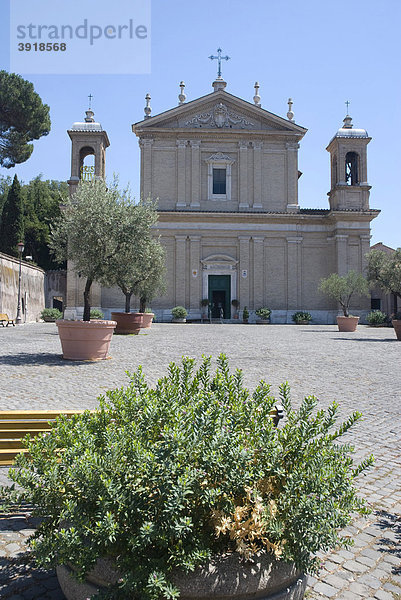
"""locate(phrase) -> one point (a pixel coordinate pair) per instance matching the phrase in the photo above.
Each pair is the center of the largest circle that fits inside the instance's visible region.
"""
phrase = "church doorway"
(219, 287)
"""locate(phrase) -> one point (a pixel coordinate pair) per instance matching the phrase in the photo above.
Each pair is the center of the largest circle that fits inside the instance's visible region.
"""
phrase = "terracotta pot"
(131, 322)
(347, 323)
(85, 340)
(224, 578)
(397, 328)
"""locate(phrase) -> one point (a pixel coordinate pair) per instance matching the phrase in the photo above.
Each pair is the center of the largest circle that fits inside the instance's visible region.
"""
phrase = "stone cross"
(90, 100)
(219, 58)
(347, 103)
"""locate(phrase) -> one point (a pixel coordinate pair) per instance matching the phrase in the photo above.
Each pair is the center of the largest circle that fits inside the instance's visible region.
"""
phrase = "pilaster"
(365, 248)
(294, 270)
(292, 176)
(196, 275)
(258, 271)
(257, 174)
(342, 253)
(243, 174)
(244, 270)
(181, 201)
(180, 279)
(195, 173)
(147, 167)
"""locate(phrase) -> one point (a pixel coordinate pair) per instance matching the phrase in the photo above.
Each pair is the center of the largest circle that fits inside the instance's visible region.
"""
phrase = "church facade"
(225, 175)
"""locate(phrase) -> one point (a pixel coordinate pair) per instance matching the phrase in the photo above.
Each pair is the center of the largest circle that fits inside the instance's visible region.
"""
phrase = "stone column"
(258, 271)
(195, 173)
(147, 168)
(243, 174)
(244, 273)
(257, 174)
(180, 271)
(294, 298)
(342, 253)
(292, 176)
(181, 201)
(195, 279)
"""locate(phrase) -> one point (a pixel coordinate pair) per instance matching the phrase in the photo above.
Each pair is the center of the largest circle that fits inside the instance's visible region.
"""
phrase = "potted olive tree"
(188, 490)
(342, 289)
(384, 270)
(139, 269)
(86, 235)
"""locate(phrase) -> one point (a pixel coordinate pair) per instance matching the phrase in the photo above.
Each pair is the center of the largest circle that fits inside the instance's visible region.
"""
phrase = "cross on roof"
(90, 100)
(347, 102)
(219, 58)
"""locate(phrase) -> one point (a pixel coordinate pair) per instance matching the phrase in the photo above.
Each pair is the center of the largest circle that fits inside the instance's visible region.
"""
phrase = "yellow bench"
(16, 424)
(4, 318)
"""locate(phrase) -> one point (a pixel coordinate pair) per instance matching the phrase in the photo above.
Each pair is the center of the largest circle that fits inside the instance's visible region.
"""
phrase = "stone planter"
(347, 323)
(128, 323)
(397, 328)
(263, 322)
(178, 320)
(302, 322)
(49, 319)
(225, 578)
(85, 340)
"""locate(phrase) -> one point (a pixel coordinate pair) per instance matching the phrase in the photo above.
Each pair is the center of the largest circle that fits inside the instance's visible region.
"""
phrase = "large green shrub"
(162, 478)
(51, 314)
(376, 317)
(179, 312)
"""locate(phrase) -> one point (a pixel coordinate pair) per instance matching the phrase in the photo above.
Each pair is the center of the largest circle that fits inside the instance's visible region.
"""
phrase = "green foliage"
(263, 313)
(343, 288)
(5, 184)
(23, 118)
(179, 312)
(95, 313)
(384, 270)
(245, 313)
(376, 317)
(155, 477)
(92, 221)
(51, 313)
(42, 201)
(12, 222)
(301, 316)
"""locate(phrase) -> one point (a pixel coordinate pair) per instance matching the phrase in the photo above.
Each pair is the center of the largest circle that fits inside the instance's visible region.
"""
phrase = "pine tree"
(12, 222)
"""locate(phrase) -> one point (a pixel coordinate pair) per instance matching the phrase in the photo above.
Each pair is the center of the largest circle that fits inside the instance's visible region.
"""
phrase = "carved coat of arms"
(220, 116)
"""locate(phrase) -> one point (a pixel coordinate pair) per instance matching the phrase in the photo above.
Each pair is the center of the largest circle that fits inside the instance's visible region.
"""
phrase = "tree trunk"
(128, 301)
(142, 305)
(87, 307)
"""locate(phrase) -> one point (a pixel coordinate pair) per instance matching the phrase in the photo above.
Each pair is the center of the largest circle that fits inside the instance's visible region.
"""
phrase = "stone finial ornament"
(147, 108)
(290, 114)
(182, 96)
(89, 116)
(256, 97)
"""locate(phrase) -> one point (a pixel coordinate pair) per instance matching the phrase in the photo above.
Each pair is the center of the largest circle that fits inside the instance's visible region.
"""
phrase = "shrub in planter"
(263, 313)
(51, 315)
(179, 312)
(376, 317)
(301, 317)
(95, 313)
(162, 479)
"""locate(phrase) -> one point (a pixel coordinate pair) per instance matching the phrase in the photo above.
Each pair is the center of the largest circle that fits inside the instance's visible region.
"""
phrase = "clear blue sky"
(319, 53)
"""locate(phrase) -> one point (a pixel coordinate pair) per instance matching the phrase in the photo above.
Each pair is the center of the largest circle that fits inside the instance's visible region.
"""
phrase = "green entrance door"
(220, 295)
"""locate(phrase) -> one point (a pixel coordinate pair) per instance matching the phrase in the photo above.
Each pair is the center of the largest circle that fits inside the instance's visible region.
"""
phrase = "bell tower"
(88, 139)
(348, 160)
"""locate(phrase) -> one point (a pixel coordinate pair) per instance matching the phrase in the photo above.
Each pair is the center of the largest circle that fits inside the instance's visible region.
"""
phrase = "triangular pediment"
(219, 111)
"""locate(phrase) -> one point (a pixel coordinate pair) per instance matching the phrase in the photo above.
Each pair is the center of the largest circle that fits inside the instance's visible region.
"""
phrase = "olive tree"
(88, 233)
(384, 270)
(343, 287)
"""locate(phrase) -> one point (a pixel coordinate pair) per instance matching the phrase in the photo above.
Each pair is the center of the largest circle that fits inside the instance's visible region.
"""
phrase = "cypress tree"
(12, 221)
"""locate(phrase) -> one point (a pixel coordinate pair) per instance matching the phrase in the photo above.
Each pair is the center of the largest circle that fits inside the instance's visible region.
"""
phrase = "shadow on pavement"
(44, 358)
(391, 540)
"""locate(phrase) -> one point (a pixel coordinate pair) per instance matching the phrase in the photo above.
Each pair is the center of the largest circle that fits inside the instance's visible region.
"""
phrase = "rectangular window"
(219, 182)
(375, 304)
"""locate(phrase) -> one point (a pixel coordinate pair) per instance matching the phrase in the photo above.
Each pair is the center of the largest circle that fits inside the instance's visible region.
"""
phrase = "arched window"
(334, 170)
(87, 163)
(351, 168)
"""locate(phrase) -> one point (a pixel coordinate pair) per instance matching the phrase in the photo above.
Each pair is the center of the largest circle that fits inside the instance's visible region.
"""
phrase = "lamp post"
(18, 320)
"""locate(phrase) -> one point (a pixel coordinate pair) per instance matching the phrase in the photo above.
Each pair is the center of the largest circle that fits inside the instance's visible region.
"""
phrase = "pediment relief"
(221, 158)
(221, 116)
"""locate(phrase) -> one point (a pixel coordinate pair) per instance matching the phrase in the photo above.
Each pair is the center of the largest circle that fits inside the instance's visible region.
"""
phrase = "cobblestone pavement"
(360, 370)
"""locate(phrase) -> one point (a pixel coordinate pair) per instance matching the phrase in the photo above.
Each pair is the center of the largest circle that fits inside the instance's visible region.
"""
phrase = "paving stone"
(354, 567)
(383, 595)
(325, 589)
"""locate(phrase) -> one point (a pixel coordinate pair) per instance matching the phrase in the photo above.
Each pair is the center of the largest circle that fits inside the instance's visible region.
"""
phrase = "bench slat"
(46, 415)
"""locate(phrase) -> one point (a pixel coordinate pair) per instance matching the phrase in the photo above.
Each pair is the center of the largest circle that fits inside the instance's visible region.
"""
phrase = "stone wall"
(32, 289)
(55, 287)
